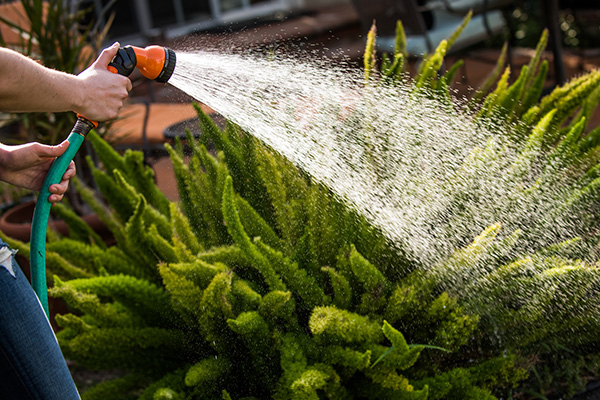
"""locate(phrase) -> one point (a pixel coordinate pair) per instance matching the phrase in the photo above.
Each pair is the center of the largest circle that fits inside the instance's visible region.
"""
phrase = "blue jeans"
(31, 363)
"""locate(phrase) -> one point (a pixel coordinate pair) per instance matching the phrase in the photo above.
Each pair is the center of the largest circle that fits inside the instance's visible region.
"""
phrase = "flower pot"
(16, 223)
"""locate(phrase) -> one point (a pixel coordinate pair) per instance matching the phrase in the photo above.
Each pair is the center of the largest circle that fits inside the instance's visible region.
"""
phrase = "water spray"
(155, 63)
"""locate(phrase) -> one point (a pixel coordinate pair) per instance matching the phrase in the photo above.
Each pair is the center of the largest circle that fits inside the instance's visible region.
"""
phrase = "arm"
(26, 86)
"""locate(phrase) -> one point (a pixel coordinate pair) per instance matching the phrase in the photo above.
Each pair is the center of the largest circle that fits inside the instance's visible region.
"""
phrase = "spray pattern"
(423, 170)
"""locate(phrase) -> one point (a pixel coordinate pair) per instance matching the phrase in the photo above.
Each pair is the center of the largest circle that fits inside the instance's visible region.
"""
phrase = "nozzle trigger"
(124, 62)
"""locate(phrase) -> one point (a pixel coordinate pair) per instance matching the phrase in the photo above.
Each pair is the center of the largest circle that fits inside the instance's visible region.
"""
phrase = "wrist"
(78, 99)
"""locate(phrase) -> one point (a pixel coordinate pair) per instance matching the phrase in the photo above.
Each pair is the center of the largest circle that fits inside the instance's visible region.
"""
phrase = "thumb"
(107, 55)
(52, 151)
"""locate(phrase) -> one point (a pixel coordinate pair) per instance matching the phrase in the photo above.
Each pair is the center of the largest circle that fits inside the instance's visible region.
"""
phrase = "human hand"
(102, 92)
(27, 165)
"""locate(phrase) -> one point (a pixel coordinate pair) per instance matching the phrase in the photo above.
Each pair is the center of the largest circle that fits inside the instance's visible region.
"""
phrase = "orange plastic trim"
(150, 60)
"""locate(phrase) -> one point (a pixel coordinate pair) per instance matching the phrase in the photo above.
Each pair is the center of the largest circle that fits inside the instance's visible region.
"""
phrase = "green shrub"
(281, 317)
(261, 283)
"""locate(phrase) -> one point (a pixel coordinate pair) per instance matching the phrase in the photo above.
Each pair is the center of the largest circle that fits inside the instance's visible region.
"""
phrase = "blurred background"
(338, 26)
(336, 29)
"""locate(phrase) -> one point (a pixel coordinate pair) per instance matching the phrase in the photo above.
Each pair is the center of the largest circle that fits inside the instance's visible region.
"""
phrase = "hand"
(27, 165)
(102, 91)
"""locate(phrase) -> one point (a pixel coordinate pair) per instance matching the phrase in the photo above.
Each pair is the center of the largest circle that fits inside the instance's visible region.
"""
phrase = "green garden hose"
(41, 213)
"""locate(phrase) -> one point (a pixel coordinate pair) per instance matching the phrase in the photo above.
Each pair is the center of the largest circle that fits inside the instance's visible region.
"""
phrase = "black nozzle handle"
(124, 61)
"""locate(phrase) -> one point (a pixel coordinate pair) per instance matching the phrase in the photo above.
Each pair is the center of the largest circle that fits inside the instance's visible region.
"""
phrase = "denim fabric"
(31, 363)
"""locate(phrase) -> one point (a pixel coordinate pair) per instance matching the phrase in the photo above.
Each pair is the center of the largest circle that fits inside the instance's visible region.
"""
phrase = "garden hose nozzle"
(154, 62)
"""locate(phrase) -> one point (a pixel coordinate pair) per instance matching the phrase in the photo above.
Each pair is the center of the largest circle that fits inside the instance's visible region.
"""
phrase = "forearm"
(28, 86)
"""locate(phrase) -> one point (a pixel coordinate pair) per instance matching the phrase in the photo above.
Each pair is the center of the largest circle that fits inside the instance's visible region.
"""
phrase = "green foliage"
(79, 230)
(262, 284)
(259, 312)
(118, 389)
(369, 57)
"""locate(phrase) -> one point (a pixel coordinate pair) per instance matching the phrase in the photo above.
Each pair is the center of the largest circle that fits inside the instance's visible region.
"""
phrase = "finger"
(107, 55)
(55, 198)
(43, 150)
(129, 85)
(59, 188)
(70, 172)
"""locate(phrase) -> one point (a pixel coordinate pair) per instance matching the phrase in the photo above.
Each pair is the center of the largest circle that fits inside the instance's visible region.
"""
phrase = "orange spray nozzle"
(154, 62)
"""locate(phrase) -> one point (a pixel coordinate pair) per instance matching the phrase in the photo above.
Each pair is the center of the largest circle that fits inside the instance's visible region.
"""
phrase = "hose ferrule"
(83, 126)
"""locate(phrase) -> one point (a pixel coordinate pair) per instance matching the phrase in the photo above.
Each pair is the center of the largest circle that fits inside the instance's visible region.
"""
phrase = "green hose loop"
(41, 213)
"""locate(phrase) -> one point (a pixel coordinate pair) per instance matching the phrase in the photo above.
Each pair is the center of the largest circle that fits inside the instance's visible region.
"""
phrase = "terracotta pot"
(16, 223)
